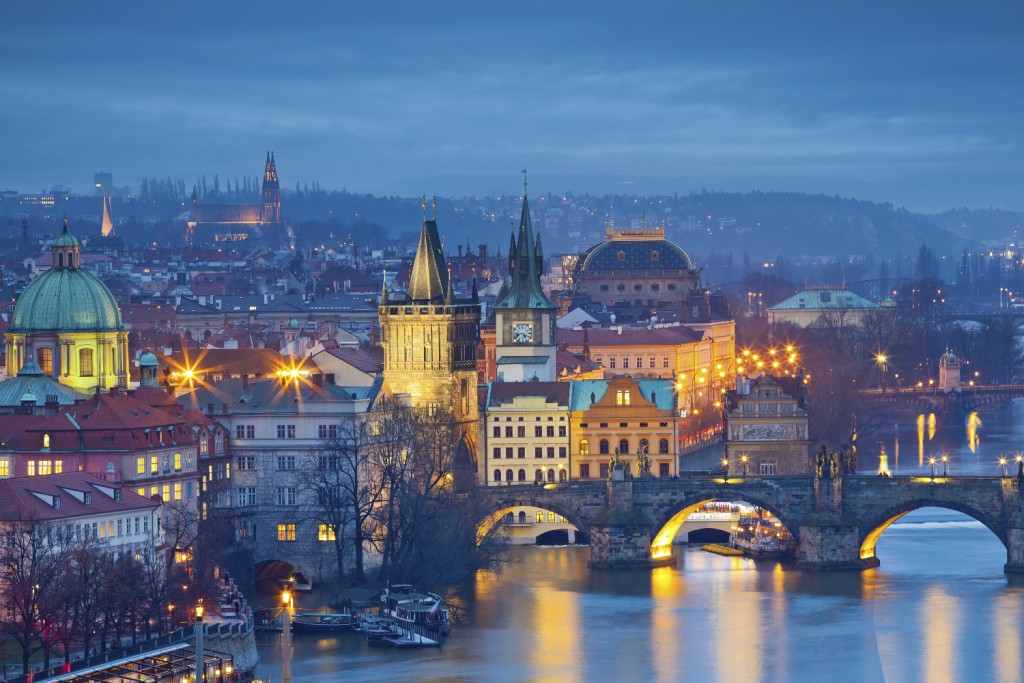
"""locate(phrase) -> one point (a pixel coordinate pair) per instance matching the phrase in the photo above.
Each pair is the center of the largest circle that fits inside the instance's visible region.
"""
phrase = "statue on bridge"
(616, 463)
(831, 464)
(643, 461)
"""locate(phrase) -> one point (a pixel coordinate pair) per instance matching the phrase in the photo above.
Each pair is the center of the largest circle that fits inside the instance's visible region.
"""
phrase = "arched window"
(663, 446)
(623, 446)
(522, 475)
(508, 475)
(85, 362)
(540, 517)
(584, 447)
(497, 475)
(60, 259)
(46, 440)
(45, 358)
(562, 476)
(644, 447)
(538, 476)
(603, 447)
(522, 514)
(510, 518)
(551, 475)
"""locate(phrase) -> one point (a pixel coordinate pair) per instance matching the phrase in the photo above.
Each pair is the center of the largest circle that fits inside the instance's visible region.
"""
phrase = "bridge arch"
(669, 524)
(874, 527)
(492, 511)
(274, 569)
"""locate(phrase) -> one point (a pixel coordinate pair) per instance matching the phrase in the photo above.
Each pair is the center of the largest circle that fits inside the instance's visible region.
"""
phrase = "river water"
(939, 608)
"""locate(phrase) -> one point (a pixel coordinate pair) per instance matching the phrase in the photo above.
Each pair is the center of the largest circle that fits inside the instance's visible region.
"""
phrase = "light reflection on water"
(938, 608)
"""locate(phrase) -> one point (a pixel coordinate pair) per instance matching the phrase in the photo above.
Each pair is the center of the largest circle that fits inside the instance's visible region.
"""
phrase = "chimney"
(318, 379)
(483, 252)
(245, 380)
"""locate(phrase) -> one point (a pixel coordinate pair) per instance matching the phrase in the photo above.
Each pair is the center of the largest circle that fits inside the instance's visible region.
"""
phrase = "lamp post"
(725, 464)
(743, 459)
(1002, 463)
(200, 677)
(881, 359)
(945, 466)
(286, 636)
(931, 461)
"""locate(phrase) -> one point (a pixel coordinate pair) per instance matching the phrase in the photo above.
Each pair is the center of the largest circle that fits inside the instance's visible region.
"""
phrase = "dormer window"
(56, 502)
(117, 494)
(88, 498)
(46, 441)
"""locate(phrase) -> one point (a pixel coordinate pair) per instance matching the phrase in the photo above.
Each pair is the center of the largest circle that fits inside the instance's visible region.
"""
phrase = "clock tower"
(525, 345)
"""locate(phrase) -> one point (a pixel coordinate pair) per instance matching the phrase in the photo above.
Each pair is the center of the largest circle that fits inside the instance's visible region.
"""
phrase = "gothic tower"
(525, 345)
(430, 338)
(271, 212)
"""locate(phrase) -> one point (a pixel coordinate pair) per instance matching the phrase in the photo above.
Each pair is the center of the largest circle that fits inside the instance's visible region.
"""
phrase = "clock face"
(522, 333)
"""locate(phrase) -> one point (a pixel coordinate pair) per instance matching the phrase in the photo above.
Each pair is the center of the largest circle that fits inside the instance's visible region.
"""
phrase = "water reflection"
(939, 615)
(973, 422)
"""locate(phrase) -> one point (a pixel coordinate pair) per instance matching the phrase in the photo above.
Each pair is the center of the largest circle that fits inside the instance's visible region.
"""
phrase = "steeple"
(107, 228)
(428, 281)
(271, 192)
(525, 267)
(384, 290)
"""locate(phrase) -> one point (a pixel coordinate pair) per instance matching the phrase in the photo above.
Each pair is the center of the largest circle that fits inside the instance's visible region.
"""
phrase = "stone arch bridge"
(835, 521)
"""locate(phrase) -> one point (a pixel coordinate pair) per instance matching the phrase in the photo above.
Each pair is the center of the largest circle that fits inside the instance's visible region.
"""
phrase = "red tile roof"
(18, 502)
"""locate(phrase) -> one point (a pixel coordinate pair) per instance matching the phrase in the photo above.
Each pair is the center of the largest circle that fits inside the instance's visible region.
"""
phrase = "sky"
(918, 103)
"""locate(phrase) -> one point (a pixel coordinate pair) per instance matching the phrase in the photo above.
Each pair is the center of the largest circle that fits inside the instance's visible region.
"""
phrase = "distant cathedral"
(239, 221)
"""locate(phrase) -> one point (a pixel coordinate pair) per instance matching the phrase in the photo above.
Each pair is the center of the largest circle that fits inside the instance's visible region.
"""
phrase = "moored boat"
(320, 623)
(417, 614)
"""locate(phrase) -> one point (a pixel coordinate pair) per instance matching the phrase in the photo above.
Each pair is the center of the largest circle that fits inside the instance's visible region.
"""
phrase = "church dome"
(635, 250)
(66, 300)
(65, 239)
(949, 360)
(148, 360)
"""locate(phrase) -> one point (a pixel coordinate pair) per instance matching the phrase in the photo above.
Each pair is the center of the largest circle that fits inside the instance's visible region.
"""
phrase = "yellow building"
(429, 341)
(525, 433)
(631, 415)
(70, 324)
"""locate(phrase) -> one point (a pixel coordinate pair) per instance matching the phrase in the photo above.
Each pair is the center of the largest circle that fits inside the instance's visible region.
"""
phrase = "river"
(939, 608)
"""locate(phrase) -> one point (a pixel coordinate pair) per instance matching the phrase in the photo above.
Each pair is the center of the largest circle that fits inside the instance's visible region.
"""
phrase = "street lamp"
(725, 464)
(881, 359)
(945, 465)
(1002, 463)
(200, 676)
(286, 636)
(743, 459)
(931, 461)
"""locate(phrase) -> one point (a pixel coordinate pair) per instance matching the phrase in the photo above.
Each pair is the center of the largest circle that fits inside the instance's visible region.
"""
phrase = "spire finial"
(524, 182)
(424, 208)
(435, 207)
(65, 225)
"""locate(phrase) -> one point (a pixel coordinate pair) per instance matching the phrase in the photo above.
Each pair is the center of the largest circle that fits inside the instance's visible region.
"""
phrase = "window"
(5, 468)
(551, 517)
(46, 440)
(538, 452)
(247, 462)
(497, 475)
(508, 452)
(655, 287)
(662, 469)
(622, 397)
(540, 515)
(286, 431)
(651, 363)
(620, 288)
(521, 475)
(497, 453)
(286, 532)
(31, 468)
(508, 432)
(165, 492)
(639, 362)
(45, 358)
(45, 467)
(286, 495)
(664, 362)
(497, 431)
(177, 462)
(663, 446)
(140, 466)
(85, 362)
(561, 451)
(204, 444)
(522, 451)
(584, 471)
(521, 432)
(177, 491)
(604, 470)
(508, 475)
(325, 532)
(246, 496)
(120, 527)
(602, 447)
(638, 288)
(604, 288)
(611, 363)
(623, 446)
(672, 286)
(584, 447)
(538, 431)
(768, 467)
(327, 431)
(239, 431)
(561, 430)
(286, 462)
(625, 362)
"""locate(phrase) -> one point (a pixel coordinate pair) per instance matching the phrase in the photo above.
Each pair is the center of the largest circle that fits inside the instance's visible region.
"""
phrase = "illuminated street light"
(945, 465)
(1002, 463)
(743, 459)
(725, 464)
(931, 461)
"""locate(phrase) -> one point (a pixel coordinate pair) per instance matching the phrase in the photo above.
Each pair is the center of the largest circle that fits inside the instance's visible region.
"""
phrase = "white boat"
(421, 618)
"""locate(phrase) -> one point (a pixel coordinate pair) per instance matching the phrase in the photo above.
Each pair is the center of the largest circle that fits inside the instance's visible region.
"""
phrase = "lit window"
(177, 462)
(154, 464)
(58, 466)
(177, 491)
(140, 466)
(45, 467)
(5, 468)
(622, 397)
(46, 440)
(325, 532)
(540, 516)
(85, 362)
(286, 532)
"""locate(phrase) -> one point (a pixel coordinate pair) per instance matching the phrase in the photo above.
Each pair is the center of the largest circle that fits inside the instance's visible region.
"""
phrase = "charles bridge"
(836, 520)
(932, 400)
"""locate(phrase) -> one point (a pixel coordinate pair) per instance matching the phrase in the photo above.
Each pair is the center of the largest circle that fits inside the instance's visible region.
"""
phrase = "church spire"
(107, 228)
(525, 267)
(428, 281)
(384, 290)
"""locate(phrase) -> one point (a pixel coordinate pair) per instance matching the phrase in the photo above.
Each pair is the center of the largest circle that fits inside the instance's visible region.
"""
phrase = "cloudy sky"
(920, 103)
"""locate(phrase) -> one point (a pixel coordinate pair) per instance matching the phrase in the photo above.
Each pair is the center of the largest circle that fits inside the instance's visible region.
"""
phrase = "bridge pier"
(1014, 551)
(830, 543)
(620, 535)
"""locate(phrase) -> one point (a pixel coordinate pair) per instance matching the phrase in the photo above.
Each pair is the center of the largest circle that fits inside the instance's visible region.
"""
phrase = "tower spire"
(107, 228)
(384, 289)
(525, 266)
(428, 280)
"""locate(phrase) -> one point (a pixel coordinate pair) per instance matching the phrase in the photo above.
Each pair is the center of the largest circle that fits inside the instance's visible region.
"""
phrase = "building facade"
(524, 435)
(766, 427)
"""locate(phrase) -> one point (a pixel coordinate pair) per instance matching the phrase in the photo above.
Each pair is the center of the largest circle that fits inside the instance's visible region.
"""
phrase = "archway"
(661, 544)
(525, 520)
(872, 531)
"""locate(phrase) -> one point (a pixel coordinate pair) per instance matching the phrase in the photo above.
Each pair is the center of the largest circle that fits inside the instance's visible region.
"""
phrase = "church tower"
(525, 345)
(271, 212)
(430, 338)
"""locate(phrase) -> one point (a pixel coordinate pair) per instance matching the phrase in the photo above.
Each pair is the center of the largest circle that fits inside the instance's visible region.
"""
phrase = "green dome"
(65, 239)
(66, 300)
(148, 360)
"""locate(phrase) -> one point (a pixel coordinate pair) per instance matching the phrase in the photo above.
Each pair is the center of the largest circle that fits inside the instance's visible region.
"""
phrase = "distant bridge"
(932, 400)
(836, 521)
